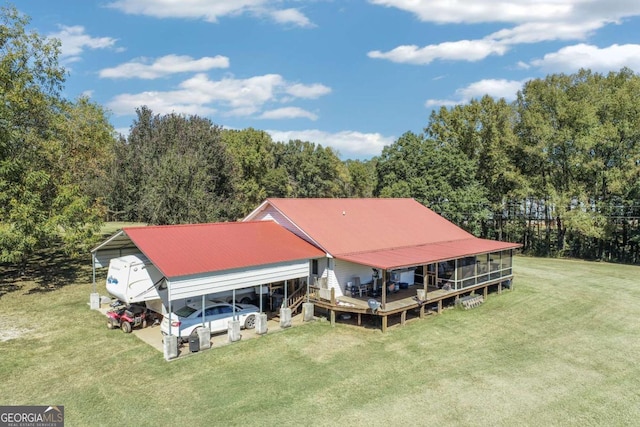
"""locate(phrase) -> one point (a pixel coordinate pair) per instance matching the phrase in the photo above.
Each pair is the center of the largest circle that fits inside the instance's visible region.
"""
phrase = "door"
(218, 317)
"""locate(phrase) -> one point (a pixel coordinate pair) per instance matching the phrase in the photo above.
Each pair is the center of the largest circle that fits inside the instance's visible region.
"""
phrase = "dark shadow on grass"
(6, 288)
(10, 278)
(49, 270)
(55, 271)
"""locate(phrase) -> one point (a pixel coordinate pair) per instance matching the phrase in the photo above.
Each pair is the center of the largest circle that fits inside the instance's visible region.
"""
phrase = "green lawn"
(560, 349)
(109, 228)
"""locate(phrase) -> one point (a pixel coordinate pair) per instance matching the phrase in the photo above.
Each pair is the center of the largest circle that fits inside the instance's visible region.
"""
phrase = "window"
(211, 311)
(314, 266)
(185, 311)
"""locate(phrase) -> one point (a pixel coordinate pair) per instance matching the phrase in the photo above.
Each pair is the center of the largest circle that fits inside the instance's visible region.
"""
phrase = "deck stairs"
(295, 300)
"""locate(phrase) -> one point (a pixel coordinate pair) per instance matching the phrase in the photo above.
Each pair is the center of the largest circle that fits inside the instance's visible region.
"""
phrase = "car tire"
(126, 327)
(250, 322)
(111, 323)
(246, 300)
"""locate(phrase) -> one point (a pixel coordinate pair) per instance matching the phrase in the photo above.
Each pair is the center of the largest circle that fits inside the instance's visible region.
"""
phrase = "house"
(385, 258)
(374, 247)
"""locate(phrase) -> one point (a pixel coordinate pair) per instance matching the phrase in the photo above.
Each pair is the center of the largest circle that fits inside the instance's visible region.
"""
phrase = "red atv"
(127, 318)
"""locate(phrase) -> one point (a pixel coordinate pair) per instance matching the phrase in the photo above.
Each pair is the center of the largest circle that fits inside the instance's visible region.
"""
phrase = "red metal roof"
(343, 226)
(181, 250)
(383, 233)
(427, 254)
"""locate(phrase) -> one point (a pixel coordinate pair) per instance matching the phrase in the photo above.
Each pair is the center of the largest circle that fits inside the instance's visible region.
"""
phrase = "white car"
(186, 320)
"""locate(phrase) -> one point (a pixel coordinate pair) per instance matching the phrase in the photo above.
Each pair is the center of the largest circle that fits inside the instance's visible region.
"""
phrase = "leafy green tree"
(44, 197)
(313, 170)
(122, 198)
(580, 148)
(277, 183)
(252, 153)
(609, 163)
(83, 145)
(484, 131)
(174, 169)
(437, 175)
(362, 177)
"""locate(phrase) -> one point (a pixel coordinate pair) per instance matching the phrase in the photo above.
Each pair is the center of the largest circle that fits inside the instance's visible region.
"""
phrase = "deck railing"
(296, 298)
(483, 277)
(318, 293)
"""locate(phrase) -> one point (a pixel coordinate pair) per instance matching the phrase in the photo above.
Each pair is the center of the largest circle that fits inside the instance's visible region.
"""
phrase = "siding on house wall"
(332, 279)
(322, 268)
(345, 271)
(406, 276)
(271, 214)
(187, 287)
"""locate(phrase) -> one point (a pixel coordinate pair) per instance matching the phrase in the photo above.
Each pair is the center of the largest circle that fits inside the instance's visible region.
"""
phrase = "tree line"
(556, 170)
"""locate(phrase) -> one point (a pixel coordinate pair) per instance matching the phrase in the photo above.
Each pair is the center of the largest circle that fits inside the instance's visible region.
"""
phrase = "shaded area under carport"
(152, 334)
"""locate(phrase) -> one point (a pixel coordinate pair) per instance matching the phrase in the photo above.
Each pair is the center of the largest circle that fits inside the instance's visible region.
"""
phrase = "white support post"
(93, 268)
(455, 273)
(233, 301)
(475, 270)
(94, 298)
(169, 298)
(384, 289)
(286, 285)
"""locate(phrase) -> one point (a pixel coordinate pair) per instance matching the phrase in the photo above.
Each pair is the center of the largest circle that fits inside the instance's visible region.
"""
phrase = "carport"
(202, 259)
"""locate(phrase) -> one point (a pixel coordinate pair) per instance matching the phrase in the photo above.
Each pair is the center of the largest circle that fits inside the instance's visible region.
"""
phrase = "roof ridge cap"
(402, 247)
(199, 224)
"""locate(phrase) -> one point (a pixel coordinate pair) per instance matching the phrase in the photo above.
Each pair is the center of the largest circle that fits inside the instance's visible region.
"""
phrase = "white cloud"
(142, 68)
(474, 11)
(535, 21)
(254, 91)
(432, 103)
(212, 10)
(572, 58)
(288, 113)
(496, 88)
(536, 32)
(228, 96)
(290, 16)
(350, 144)
(312, 91)
(159, 103)
(513, 11)
(463, 50)
(74, 41)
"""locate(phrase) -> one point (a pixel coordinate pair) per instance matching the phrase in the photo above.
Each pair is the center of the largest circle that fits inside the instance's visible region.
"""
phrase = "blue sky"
(352, 74)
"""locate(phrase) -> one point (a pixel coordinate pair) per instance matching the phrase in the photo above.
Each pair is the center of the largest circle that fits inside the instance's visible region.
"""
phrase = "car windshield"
(185, 311)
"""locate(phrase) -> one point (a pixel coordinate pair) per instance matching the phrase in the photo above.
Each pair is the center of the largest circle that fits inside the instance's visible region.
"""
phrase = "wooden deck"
(396, 303)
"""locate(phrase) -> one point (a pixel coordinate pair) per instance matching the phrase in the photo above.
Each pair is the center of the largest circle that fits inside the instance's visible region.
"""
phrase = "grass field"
(110, 228)
(561, 349)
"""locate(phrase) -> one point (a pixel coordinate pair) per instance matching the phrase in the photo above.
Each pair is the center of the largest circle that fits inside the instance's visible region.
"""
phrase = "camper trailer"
(134, 279)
